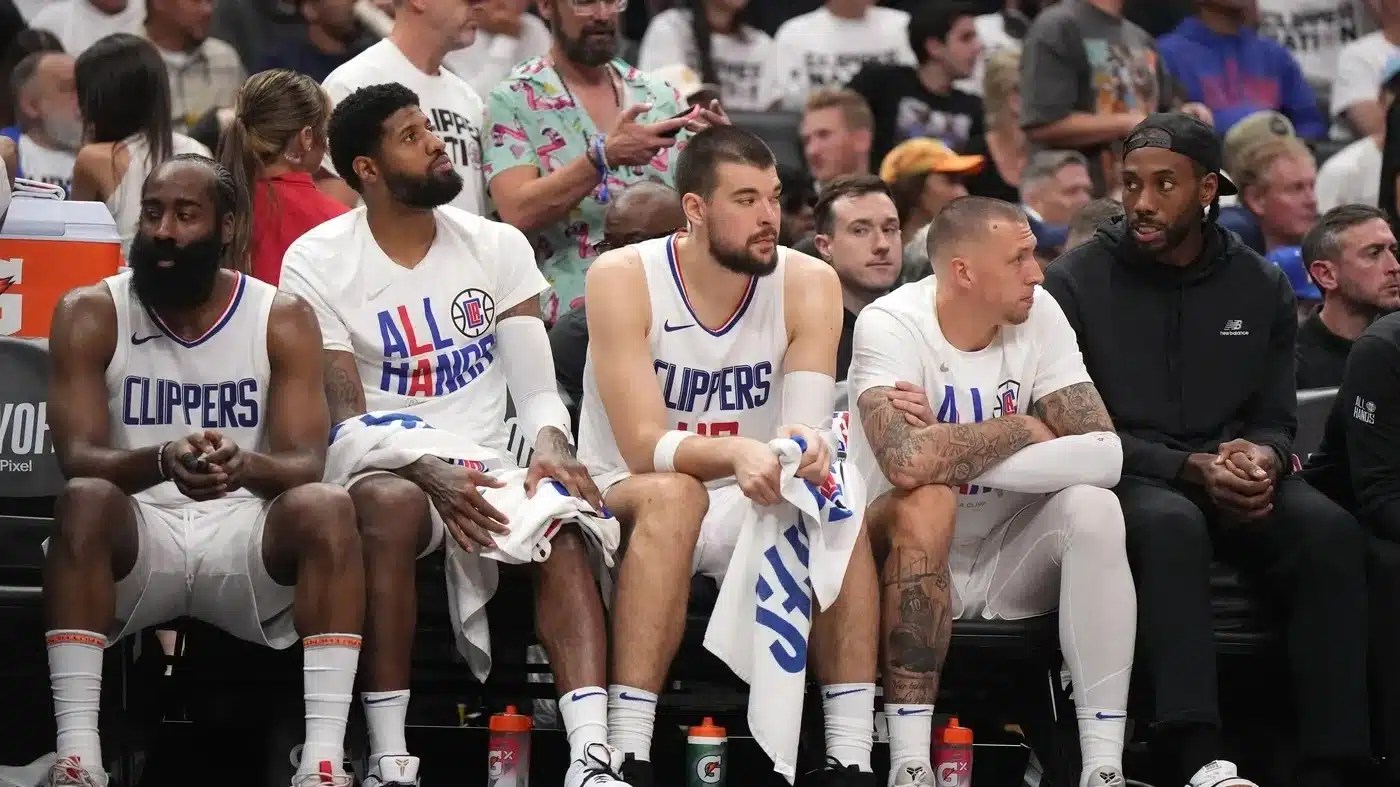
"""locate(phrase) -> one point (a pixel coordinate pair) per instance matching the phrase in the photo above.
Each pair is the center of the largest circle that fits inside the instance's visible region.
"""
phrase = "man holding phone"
(569, 131)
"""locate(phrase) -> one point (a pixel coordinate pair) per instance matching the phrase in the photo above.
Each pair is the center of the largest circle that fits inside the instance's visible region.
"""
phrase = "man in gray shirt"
(1088, 76)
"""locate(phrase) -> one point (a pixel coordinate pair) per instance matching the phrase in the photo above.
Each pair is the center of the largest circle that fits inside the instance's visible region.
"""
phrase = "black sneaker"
(636, 773)
(837, 775)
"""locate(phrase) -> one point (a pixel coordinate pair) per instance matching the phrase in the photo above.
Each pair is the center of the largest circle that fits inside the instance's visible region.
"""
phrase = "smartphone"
(680, 114)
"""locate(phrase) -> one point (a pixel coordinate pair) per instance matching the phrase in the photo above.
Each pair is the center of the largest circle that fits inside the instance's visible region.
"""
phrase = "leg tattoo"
(918, 625)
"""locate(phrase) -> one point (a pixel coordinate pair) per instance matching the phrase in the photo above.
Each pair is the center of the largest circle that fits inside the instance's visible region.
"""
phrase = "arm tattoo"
(344, 393)
(949, 454)
(1074, 409)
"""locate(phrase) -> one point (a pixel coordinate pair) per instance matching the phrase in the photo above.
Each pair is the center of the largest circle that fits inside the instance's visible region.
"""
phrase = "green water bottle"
(704, 755)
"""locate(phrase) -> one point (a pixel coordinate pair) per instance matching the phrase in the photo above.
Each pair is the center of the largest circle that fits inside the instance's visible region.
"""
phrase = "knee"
(1333, 534)
(390, 511)
(324, 517)
(1094, 514)
(83, 513)
(921, 518)
(668, 507)
(1172, 524)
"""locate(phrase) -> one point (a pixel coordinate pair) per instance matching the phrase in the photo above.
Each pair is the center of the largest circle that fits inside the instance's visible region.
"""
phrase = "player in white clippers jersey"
(188, 416)
(703, 347)
(994, 502)
(429, 310)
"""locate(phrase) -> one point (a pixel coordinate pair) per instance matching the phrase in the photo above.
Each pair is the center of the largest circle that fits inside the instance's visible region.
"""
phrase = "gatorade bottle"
(952, 759)
(704, 755)
(509, 760)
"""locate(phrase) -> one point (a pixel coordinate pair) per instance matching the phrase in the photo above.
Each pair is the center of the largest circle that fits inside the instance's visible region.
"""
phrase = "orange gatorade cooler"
(48, 247)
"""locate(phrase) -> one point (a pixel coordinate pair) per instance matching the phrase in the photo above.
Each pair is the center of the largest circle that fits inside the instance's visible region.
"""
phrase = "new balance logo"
(1234, 328)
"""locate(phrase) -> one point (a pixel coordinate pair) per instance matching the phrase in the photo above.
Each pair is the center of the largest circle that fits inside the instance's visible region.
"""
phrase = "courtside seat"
(1314, 405)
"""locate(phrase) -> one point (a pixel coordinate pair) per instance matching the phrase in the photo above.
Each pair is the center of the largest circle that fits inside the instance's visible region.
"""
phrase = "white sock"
(328, 683)
(631, 719)
(849, 709)
(585, 712)
(385, 715)
(75, 672)
(1101, 733)
(911, 733)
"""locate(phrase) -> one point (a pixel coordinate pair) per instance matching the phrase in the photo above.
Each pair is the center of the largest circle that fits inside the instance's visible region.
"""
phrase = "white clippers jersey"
(161, 387)
(423, 338)
(719, 383)
(898, 338)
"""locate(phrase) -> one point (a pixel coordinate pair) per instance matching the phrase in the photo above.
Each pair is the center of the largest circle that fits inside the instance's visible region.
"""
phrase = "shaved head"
(642, 211)
(969, 220)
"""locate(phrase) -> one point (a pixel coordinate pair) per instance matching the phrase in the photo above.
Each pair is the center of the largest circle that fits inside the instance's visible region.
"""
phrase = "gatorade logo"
(500, 762)
(709, 769)
(952, 774)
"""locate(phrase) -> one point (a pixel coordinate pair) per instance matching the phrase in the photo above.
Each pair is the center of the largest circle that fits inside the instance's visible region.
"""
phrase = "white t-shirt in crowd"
(991, 31)
(743, 62)
(125, 200)
(819, 49)
(46, 165)
(898, 338)
(424, 338)
(456, 111)
(29, 8)
(488, 61)
(1359, 68)
(1314, 31)
(78, 24)
(1351, 176)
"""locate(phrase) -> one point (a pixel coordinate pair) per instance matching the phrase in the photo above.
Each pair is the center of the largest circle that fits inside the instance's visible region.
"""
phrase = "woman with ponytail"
(277, 140)
(711, 37)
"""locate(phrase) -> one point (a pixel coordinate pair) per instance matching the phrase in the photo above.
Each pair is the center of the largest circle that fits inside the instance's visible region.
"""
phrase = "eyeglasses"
(594, 6)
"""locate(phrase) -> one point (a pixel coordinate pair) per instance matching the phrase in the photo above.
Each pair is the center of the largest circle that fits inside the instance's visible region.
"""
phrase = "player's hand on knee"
(815, 464)
(455, 493)
(555, 459)
(758, 472)
(912, 401)
(193, 476)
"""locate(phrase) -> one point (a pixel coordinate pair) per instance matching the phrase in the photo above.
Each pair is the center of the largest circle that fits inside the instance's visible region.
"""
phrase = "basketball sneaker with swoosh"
(1220, 773)
(393, 769)
(600, 765)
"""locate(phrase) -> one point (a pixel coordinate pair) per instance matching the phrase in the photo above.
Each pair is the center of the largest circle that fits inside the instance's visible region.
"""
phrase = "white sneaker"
(399, 770)
(69, 772)
(1105, 776)
(1220, 773)
(912, 774)
(325, 776)
(598, 766)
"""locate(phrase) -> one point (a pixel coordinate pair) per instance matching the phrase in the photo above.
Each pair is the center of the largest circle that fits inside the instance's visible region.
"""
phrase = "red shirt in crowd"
(284, 208)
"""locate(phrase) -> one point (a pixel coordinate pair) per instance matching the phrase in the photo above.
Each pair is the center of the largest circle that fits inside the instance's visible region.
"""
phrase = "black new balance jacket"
(1185, 358)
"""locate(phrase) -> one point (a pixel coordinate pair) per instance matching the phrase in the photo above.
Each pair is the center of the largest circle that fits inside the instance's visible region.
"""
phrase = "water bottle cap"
(707, 729)
(510, 721)
(955, 734)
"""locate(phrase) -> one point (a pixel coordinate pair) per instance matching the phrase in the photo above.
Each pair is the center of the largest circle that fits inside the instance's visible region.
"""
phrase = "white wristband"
(663, 457)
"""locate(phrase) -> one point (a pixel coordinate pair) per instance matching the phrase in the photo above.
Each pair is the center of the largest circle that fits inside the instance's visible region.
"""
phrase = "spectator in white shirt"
(1350, 175)
(712, 38)
(80, 23)
(46, 104)
(509, 35)
(1314, 31)
(1359, 70)
(826, 47)
(205, 73)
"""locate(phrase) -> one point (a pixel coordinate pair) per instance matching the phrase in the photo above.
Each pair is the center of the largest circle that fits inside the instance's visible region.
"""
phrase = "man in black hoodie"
(1189, 337)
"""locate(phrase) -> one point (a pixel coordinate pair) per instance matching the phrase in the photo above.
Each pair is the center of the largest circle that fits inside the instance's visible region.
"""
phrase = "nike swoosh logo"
(907, 712)
(143, 339)
(1106, 716)
(379, 701)
(625, 696)
(831, 695)
(576, 696)
(668, 327)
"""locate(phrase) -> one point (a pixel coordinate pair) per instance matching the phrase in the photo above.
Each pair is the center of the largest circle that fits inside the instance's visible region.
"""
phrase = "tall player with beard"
(188, 416)
(429, 310)
(704, 346)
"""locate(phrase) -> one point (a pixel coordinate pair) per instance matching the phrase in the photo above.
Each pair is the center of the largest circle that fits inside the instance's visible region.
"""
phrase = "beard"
(587, 49)
(67, 132)
(430, 190)
(1173, 235)
(185, 284)
(740, 260)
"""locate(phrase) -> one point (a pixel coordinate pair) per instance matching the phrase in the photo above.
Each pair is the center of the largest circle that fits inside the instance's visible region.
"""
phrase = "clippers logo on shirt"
(460, 135)
(423, 360)
(223, 405)
(731, 389)
(824, 69)
(1005, 402)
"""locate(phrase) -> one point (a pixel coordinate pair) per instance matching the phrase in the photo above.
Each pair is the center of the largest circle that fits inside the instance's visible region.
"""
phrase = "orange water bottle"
(509, 759)
(952, 760)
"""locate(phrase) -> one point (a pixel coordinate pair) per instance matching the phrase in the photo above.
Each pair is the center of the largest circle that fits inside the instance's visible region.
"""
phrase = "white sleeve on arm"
(300, 280)
(808, 398)
(1093, 459)
(523, 346)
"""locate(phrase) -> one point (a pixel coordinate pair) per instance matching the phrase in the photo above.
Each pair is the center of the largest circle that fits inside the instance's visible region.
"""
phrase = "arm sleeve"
(506, 143)
(1299, 101)
(517, 275)
(1093, 459)
(524, 349)
(299, 278)
(884, 351)
(1050, 75)
(1271, 415)
(1370, 402)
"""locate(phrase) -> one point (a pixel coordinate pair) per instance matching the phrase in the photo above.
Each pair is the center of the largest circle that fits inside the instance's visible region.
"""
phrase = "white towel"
(389, 440)
(787, 557)
(37, 189)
